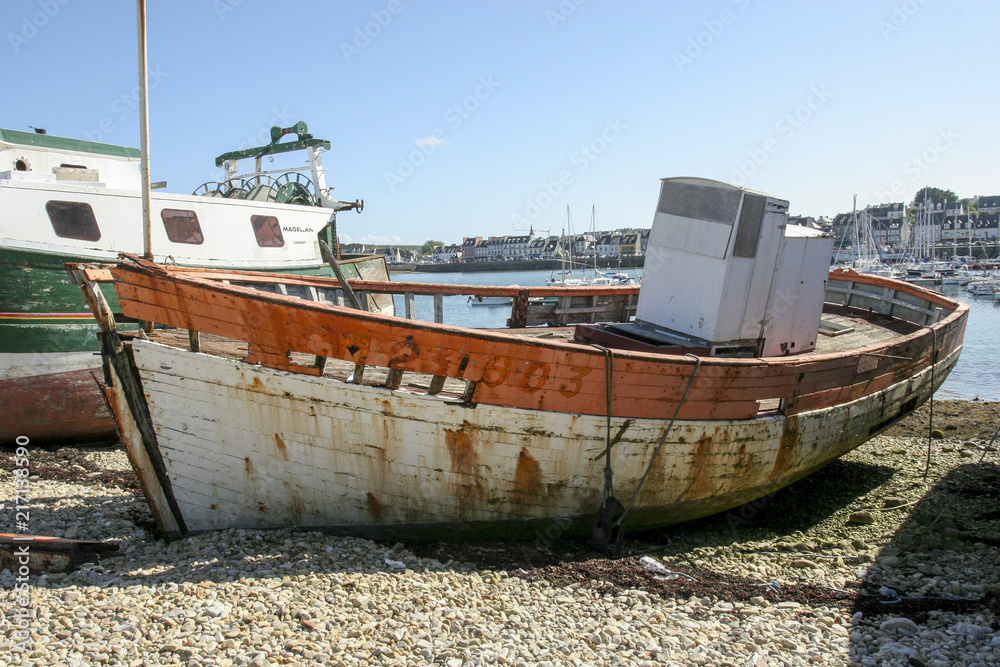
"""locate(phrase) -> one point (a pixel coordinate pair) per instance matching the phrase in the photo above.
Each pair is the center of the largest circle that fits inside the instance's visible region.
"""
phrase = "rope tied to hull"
(607, 532)
(930, 419)
(663, 438)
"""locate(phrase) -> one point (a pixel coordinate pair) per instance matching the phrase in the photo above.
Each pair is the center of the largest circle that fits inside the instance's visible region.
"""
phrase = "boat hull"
(49, 348)
(247, 446)
(55, 406)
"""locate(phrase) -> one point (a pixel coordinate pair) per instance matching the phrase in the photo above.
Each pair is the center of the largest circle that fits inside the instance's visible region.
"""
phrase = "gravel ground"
(863, 563)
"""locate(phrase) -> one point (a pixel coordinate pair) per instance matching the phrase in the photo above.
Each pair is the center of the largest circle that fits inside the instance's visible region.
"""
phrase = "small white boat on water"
(983, 286)
(489, 300)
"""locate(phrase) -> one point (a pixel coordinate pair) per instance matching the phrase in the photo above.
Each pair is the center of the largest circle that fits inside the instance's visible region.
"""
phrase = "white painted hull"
(26, 364)
(248, 446)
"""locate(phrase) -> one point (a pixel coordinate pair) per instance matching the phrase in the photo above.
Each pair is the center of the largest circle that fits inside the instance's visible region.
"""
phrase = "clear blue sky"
(475, 118)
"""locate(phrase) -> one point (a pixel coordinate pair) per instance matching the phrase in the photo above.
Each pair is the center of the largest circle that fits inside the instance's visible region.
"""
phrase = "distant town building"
(629, 244)
(895, 211)
(537, 248)
(604, 245)
(553, 248)
(970, 228)
(989, 204)
(353, 249)
(517, 247)
(469, 247)
(447, 253)
(583, 245)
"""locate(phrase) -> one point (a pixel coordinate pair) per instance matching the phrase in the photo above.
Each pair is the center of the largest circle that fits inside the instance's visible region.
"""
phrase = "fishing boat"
(68, 200)
(746, 367)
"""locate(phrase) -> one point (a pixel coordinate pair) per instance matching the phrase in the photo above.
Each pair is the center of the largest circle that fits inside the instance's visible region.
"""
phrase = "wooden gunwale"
(527, 372)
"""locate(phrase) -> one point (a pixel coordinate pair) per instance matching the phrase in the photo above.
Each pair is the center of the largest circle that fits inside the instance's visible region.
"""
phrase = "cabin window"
(267, 230)
(21, 165)
(182, 226)
(73, 220)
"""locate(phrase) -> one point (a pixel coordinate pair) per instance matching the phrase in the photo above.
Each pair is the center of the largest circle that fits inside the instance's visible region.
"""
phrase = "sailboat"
(599, 279)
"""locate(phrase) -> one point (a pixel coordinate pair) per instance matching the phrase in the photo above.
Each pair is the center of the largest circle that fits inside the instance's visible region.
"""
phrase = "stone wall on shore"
(516, 265)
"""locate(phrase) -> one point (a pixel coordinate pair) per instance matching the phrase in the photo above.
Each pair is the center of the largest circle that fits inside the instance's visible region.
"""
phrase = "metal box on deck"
(711, 275)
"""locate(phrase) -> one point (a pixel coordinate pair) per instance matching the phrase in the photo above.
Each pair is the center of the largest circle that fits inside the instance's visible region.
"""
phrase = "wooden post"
(408, 300)
(349, 296)
(352, 300)
(518, 311)
(470, 391)
(362, 301)
(394, 378)
(194, 340)
(439, 308)
(437, 384)
(564, 304)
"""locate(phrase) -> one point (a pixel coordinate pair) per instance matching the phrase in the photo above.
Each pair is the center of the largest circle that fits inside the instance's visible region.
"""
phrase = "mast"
(593, 231)
(562, 253)
(857, 234)
(147, 229)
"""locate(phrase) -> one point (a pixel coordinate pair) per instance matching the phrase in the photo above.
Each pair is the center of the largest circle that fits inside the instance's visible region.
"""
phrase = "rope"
(930, 420)
(608, 472)
(663, 438)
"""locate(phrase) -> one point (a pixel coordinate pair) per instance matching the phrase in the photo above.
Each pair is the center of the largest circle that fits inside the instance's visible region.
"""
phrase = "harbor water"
(977, 374)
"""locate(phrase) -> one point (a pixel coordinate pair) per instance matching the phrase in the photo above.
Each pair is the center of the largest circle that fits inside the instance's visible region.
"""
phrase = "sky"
(474, 118)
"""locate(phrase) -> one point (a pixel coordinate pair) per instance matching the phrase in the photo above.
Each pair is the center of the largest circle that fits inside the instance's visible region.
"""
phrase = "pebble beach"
(889, 556)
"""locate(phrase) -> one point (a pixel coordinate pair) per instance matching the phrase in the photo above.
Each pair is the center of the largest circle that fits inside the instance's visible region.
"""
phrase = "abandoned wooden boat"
(68, 200)
(297, 412)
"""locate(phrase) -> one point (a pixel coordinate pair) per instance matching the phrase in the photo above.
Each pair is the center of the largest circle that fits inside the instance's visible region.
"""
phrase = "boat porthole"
(21, 165)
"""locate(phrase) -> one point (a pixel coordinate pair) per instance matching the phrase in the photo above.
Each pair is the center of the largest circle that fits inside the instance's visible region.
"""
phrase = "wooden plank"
(518, 310)
(394, 379)
(168, 520)
(438, 308)
(437, 384)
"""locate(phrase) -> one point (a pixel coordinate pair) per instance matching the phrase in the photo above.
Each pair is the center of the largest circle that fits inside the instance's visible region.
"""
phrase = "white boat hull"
(248, 446)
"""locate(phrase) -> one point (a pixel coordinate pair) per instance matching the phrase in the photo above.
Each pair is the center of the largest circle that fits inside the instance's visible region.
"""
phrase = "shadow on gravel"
(72, 464)
(948, 532)
(795, 508)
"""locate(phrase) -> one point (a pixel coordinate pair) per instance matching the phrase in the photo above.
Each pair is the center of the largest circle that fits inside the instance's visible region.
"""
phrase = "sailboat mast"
(147, 228)
(857, 234)
(593, 232)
